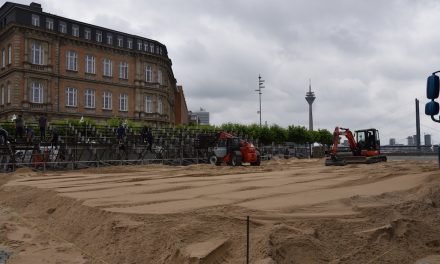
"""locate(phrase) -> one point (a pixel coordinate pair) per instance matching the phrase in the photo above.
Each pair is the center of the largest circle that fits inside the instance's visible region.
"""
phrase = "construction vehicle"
(365, 148)
(229, 149)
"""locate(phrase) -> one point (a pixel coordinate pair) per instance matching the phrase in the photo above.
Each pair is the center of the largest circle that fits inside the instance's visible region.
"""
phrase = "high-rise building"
(428, 141)
(310, 98)
(203, 116)
(410, 140)
(68, 69)
(392, 141)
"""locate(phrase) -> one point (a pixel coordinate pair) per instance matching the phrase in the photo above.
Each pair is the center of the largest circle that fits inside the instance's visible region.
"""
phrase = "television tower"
(310, 98)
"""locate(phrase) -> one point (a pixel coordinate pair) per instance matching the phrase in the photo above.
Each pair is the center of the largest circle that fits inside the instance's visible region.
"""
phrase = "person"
(3, 136)
(144, 134)
(55, 136)
(19, 127)
(29, 135)
(42, 122)
(120, 132)
(149, 137)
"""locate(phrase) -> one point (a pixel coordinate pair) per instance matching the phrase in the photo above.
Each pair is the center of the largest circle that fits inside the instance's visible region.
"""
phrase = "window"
(90, 64)
(107, 67)
(49, 23)
(145, 47)
(8, 94)
(109, 39)
(89, 98)
(37, 93)
(9, 54)
(120, 42)
(35, 20)
(87, 34)
(3, 95)
(75, 30)
(3, 57)
(130, 43)
(98, 36)
(107, 100)
(123, 70)
(148, 74)
(37, 54)
(139, 45)
(71, 96)
(72, 61)
(159, 77)
(148, 104)
(159, 106)
(123, 102)
(152, 48)
(160, 51)
(62, 27)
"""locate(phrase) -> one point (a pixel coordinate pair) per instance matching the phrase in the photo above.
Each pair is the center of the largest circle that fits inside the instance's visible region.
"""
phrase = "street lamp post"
(260, 86)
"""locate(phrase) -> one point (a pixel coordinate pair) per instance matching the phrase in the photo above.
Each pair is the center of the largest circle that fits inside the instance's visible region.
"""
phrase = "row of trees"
(278, 135)
(275, 133)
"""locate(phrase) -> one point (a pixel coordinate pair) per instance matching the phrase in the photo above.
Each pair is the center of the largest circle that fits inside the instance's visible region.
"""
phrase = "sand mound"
(301, 212)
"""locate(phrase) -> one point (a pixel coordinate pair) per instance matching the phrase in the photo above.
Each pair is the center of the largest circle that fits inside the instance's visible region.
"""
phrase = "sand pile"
(301, 212)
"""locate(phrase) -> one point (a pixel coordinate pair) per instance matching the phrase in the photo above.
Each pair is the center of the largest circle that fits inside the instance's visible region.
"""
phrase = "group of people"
(30, 134)
(146, 135)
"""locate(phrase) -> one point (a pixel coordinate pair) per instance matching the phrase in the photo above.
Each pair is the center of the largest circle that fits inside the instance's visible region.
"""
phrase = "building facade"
(181, 107)
(67, 69)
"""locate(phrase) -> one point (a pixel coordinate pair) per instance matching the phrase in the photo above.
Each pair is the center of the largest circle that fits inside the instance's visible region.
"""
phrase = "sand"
(301, 212)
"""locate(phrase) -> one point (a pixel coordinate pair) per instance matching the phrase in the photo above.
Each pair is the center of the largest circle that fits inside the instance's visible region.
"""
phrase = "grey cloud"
(368, 60)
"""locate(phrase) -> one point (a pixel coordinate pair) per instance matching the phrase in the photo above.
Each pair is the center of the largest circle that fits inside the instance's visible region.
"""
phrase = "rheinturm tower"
(310, 98)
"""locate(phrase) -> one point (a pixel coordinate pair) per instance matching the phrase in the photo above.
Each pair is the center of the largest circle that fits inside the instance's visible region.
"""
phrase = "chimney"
(36, 7)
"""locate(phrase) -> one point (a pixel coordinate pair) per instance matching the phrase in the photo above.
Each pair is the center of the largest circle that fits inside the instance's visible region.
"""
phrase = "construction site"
(300, 211)
(103, 162)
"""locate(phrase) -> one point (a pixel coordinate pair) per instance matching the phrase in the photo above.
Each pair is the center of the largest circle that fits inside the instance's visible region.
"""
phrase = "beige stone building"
(67, 69)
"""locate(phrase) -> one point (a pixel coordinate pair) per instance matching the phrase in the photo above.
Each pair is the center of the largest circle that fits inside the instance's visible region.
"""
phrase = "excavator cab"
(368, 139)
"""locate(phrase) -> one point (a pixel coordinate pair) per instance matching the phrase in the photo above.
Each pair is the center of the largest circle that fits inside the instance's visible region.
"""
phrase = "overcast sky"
(368, 60)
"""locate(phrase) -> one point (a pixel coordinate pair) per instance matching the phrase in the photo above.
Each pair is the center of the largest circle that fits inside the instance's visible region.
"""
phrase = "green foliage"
(278, 134)
(297, 134)
(325, 137)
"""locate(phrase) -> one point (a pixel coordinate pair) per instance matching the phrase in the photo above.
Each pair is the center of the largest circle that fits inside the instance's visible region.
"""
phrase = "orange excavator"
(364, 149)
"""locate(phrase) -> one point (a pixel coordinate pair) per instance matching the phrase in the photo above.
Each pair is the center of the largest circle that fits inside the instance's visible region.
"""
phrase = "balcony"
(36, 67)
(37, 107)
(154, 116)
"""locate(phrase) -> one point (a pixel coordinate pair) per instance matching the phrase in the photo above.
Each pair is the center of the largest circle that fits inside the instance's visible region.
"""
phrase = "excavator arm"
(339, 131)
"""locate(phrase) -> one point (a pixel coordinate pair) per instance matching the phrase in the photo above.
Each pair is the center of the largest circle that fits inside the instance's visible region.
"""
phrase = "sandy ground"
(301, 212)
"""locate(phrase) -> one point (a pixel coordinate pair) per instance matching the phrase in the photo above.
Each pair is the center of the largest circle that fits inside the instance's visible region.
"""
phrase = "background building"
(392, 141)
(181, 107)
(428, 141)
(410, 141)
(68, 69)
(203, 116)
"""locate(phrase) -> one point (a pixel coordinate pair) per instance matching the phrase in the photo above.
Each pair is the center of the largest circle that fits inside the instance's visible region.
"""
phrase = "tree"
(325, 137)
(297, 134)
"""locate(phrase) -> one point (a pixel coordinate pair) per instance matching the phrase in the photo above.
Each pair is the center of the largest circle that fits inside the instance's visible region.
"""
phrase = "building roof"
(37, 9)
